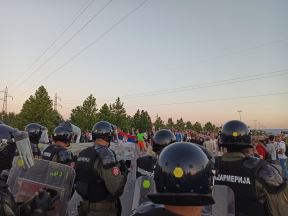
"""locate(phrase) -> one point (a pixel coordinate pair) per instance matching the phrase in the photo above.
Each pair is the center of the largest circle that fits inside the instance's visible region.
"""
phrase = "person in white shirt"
(211, 146)
(271, 148)
(281, 148)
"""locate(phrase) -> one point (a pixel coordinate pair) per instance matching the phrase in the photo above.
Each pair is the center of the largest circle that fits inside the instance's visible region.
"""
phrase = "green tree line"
(38, 108)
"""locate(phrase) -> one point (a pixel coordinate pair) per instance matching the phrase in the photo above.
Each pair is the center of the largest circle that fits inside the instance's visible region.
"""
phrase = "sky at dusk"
(199, 60)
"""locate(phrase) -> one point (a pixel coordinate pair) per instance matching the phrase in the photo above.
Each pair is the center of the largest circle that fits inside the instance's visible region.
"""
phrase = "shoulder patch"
(83, 159)
(116, 171)
(46, 154)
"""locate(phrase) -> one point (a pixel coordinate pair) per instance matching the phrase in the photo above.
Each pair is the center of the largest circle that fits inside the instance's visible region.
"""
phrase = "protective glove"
(41, 203)
(123, 168)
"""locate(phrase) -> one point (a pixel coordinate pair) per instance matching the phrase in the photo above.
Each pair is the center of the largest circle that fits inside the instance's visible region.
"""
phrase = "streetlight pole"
(255, 124)
(239, 111)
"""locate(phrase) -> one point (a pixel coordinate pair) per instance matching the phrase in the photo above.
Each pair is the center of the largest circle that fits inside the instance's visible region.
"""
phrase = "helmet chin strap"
(101, 141)
(108, 141)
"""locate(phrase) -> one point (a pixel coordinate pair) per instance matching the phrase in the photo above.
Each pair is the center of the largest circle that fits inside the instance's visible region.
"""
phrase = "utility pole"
(5, 101)
(259, 125)
(56, 104)
(255, 124)
(239, 111)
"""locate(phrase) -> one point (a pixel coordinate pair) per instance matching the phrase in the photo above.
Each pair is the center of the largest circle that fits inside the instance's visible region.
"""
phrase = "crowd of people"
(272, 148)
(184, 166)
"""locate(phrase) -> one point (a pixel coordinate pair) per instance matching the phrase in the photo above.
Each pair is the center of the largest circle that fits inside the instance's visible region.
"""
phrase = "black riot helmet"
(207, 153)
(235, 135)
(34, 131)
(63, 132)
(161, 139)
(183, 176)
(7, 146)
(103, 130)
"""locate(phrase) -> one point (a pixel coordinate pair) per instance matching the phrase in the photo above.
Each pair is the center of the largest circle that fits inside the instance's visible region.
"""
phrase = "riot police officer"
(100, 178)
(144, 184)
(183, 178)
(8, 207)
(58, 151)
(35, 131)
(161, 139)
(258, 186)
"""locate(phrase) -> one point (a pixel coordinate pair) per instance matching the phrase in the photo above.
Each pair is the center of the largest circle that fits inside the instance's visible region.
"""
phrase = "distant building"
(276, 131)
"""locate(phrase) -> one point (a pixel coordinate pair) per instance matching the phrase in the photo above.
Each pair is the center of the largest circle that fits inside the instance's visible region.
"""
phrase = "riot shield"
(129, 156)
(44, 137)
(24, 149)
(144, 185)
(224, 201)
(42, 147)
(124, 152)
(130, 150)
(56, 178)
(72, 209)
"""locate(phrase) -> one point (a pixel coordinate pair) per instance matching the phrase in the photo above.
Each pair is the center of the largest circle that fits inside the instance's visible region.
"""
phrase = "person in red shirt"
(261, 149)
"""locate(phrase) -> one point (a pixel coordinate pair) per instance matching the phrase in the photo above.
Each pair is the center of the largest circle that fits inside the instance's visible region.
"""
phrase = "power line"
(213, 100)
(219, 83)
(67, 42)
(245, 50)
(283, 72)
(79, 14)
(209, 101)
(200, 86)
(92, 43)
(5, 101)
(240, 79)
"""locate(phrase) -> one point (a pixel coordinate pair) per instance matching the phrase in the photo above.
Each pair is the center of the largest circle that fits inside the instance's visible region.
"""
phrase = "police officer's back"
(58, 151)
(146, 163)
(258, 186)
(183, 177)
(100, 178)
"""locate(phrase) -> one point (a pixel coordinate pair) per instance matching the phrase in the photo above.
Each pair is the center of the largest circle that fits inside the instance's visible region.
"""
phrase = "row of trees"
(39, 108)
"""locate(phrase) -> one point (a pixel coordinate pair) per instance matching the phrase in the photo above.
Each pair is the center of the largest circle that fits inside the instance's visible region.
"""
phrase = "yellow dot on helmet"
(234, 134)
(178, 172)
(20, 163)
(146, 184)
